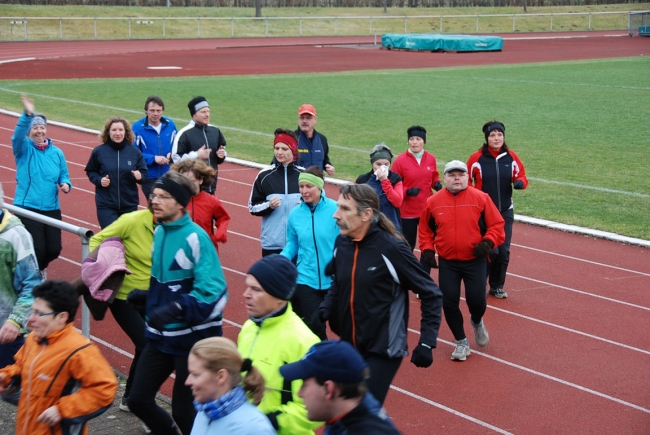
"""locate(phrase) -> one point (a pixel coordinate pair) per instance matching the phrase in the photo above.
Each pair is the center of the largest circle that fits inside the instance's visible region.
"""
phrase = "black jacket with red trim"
(369, 296)
(495, 175)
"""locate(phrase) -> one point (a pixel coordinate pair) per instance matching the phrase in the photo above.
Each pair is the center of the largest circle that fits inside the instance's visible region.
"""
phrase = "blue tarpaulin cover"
(439, 42)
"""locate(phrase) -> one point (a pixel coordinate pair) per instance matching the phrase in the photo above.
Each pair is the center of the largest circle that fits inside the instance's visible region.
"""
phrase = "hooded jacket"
(117, 161)
(311, 233)
(38, 172)
(66, 371)
(18, 271)
(277, 181)
(185, 269)
(152, 144)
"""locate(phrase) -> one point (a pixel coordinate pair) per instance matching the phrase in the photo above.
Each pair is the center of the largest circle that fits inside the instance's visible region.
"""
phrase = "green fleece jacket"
(136, 231)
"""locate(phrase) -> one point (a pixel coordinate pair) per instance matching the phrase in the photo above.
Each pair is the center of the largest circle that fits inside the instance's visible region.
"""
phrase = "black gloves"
(422, 356)
(138, 300)
(430, 257)
(437, 186)
(317, 321)
(483, 248)
(518, 184)
(413, 191)
(165, 315)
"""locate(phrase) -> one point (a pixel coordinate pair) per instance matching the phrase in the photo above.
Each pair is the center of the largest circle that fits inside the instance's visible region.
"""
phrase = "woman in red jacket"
(496, 170)
(420, 177)
(205, 209)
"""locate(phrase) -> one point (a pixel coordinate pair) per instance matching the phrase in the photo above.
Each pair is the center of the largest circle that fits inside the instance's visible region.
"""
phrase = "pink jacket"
(104, 268)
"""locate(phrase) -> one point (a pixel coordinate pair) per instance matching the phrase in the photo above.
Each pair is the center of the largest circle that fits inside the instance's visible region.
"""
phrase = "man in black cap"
(200, 140)
(273, 336)
(334, 386)
(184, 304)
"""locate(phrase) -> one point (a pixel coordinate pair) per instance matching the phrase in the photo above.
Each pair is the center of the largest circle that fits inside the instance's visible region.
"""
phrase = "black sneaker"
(498, 293)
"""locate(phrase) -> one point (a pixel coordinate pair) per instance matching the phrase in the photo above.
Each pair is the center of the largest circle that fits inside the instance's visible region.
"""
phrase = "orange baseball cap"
(307, 108)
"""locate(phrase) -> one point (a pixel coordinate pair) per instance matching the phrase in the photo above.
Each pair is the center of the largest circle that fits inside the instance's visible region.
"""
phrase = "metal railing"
(112, 28)
(84, 233)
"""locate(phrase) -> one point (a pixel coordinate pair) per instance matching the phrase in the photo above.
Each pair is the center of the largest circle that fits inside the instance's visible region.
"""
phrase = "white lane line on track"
(22, 59)
(629, 304)
(549, 377)
(564, 328)
(581, 260)
(450, 410)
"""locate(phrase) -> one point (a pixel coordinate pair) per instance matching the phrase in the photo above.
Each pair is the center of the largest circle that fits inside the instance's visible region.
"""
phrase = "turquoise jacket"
(38, 173)
(311, 233)
(185, 269)
(274, 342)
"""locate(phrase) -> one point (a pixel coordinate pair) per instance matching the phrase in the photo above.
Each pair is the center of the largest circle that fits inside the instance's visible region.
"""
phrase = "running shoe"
(498, 293)
(124, 404)
(462, 351)
(481, 335)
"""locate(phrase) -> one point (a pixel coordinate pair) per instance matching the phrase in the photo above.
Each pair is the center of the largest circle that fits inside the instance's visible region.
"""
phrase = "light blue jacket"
(311, 233)
(245, 420)
(38, 173)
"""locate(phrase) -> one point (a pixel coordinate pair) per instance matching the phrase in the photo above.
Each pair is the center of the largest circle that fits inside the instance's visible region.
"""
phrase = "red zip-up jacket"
(206, 209)
(454, 224)
(424, 175)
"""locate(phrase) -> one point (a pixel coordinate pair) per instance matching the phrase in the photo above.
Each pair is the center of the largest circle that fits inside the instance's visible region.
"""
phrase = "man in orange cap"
(313, 149)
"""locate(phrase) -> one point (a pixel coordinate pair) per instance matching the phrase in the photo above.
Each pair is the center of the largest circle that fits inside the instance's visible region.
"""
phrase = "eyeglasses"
(39, 314)
(160, 197)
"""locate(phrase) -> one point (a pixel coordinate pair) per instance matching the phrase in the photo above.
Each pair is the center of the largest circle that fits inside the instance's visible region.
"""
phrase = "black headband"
(417, 132)
(180, 194)
(494, 126)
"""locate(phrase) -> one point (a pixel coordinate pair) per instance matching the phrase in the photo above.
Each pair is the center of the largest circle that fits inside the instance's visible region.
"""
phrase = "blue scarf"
(224, 405)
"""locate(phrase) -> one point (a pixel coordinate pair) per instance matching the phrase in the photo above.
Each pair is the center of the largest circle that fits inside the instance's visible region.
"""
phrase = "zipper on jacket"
(286, 198)
(119, 201)
(496, 163)
(313, 234)
(352, 282)
(29, 387)
(207, 144)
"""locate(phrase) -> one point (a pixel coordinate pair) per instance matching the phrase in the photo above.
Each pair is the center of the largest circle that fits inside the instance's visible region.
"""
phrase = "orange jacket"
(37, 364)
(454, 224)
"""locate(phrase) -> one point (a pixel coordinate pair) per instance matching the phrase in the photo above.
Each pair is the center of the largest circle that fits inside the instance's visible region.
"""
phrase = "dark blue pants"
(500, 257)
(472, 274)
(8, 350)
(382, 372)
(107, 216)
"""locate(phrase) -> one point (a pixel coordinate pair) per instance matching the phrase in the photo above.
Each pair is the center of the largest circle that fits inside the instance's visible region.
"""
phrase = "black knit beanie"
(196, 104)
(418, 131)
(276, 274)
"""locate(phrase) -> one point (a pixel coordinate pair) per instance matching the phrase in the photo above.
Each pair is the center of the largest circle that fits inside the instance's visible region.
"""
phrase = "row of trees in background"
(324, 3)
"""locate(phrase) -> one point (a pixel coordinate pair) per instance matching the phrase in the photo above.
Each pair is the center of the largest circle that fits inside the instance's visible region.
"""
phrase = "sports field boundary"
(335, 181)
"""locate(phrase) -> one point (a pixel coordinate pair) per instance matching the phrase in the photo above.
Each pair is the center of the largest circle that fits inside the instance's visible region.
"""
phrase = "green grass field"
(581, 128)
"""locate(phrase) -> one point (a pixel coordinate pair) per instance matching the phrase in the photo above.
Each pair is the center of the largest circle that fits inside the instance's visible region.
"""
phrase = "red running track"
(207, 57)
(569, 349)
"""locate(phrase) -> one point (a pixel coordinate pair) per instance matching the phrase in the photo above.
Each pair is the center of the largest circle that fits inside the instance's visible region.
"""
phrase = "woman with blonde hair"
(221, 392)
(116, 168)
(205, 208)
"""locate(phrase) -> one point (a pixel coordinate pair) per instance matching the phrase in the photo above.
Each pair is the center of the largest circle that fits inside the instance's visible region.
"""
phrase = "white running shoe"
(462, 351)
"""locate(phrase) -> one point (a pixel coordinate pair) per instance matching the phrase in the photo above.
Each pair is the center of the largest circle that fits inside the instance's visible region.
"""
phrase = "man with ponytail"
(221, 382)
(374, 269)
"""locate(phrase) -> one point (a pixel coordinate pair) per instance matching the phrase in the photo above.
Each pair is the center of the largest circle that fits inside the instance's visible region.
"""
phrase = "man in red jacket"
(463, 225)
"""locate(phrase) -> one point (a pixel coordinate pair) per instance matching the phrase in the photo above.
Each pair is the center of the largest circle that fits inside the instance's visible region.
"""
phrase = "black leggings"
(305, 303)
(382, 372)
(152, 371)
(500, 257)
(133, 325)
(472, 273)
(47, 239)
(410, 233)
